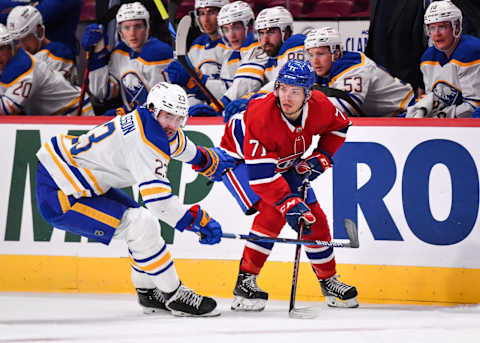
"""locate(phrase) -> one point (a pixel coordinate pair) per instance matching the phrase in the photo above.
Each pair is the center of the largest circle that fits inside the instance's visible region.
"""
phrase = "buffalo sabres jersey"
(127, 150)
(59, 57)
(28, 86)
(273, 145)
(456, 80)
(258, 69)
(207, 56)
(372, 88)
(129, 73)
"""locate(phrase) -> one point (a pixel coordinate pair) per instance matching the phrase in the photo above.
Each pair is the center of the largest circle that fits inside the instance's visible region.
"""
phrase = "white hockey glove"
(421, 108)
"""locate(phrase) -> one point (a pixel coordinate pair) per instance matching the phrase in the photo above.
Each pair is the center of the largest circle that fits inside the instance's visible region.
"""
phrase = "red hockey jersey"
(273, 145)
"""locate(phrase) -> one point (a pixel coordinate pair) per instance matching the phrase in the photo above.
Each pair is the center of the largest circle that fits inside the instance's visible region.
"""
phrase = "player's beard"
(272, 50)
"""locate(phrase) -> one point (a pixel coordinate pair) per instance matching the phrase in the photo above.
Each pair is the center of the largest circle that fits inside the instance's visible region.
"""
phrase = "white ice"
(35, 317)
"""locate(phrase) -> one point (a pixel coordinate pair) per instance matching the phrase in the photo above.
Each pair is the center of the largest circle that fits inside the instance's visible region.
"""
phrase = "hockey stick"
(181, 52)
(338, 93)
(304, 313)
(84, 82)
(164, 15)
(351, 232)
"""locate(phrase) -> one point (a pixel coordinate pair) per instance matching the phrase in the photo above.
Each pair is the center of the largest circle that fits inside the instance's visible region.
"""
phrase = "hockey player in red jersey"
(278, 130)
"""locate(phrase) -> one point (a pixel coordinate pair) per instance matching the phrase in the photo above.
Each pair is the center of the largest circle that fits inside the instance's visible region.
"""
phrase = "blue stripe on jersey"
(73, 169)
(153, 131)
(158, 199)
(151, 257)
(320, 255)
(261, 171)
(162, 270)
(17, 66)
(154, 181)
(345, 107)
(238, 133)
(356, 98)
(252, 64)
(265, 245)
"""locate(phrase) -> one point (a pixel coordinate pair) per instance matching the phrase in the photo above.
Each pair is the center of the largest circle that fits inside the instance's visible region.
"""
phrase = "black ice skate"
(248, 297)
(339, 294)
(151, 299)
(184, 302)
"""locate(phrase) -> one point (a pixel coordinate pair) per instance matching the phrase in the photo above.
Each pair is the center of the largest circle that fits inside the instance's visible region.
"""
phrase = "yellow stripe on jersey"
(347, 70)
(146, 141)
(53, 57)
(245, 70)
(63, 201)
(295, 48)
(64, 171)
(155, 190)
(465, 64)
(72, 161)
(72, 103)
(96, 214)
(166, 258)
(181, 144)
(167, 61)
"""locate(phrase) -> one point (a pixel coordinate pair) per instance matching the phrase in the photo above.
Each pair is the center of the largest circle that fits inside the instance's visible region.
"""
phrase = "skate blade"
(150, 310)
(335, 302)
(214, 313)
(245, 304)
(302, 313)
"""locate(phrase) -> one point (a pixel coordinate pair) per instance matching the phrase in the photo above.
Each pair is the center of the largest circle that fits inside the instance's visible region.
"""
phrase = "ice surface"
(43, 317)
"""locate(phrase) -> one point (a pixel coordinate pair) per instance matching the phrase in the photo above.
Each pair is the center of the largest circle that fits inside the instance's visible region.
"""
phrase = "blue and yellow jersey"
(455, 80)
(28, 86)
(128, 73)
(128, 150)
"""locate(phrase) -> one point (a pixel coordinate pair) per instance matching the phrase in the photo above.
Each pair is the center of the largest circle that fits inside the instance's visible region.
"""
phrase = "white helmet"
(5, 36)
(170, 98)
(277, 16)
(444, 10)
(23, 20)
(133, 11)
(325, 36)
(233, 12)
(210, 3)
(207, 3)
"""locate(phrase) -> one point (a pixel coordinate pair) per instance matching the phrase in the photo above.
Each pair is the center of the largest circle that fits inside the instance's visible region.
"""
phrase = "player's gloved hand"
(214, 163)
(119, 111)
(202, 110)
(93, 34)
(197, 220)
(177, 73)
(316, 164)
(234, 107)
(294, 209)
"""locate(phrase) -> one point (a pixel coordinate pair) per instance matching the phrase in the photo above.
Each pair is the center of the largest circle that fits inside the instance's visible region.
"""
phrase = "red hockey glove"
(295, 210)
(316, 163)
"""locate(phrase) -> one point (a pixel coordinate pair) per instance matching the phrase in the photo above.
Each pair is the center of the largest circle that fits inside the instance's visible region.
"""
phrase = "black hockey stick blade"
(352, 233)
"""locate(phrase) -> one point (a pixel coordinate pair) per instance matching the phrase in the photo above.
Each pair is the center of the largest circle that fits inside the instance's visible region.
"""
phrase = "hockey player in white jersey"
(450, 68)
(276, 42)
(133, 66)
(77, 191)
(29, 87)
(207, 54)
(25, 23)
(371, 90)
(235, 25)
